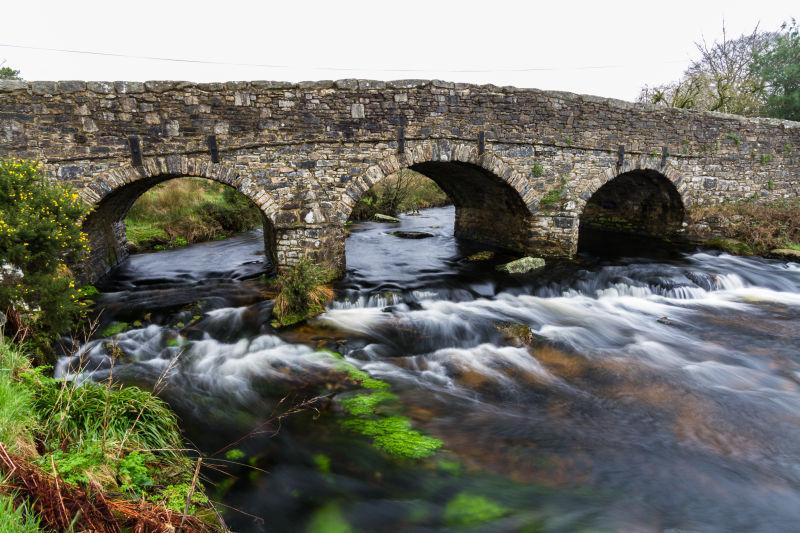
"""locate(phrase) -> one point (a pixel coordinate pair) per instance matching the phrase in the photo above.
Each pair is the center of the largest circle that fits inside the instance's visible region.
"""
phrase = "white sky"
(634, 42)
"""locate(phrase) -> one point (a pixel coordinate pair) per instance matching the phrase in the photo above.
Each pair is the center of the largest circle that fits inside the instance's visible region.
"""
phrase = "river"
(597, 395)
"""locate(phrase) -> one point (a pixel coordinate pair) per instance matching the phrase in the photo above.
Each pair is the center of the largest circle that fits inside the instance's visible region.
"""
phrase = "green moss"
(115, 328)
(793, 246)
(765, 159)
(361, 377)
(328, 519)
(322, 463)
(537, 170)
(395, 436)
(174, 342)
(471, 509)
(450, 467)
(234, 454)
(365, 404)
(731, 246)
(392, 434)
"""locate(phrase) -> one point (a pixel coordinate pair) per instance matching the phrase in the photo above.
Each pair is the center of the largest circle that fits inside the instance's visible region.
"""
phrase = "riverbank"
(403, 192)
(187, 211)
(91, 456)
(749, 228)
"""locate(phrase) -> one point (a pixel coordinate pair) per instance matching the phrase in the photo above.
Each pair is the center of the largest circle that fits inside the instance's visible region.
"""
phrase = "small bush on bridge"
(40, 234)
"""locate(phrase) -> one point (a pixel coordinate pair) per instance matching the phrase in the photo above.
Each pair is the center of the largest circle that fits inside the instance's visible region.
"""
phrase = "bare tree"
(722, 79)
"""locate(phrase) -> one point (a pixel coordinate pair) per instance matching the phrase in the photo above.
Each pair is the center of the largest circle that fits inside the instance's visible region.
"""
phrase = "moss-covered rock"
(524, 265)
(789, 254)
(732, 246)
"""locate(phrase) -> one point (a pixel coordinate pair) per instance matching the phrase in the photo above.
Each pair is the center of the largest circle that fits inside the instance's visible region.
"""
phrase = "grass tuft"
(303, 293)
(17, 519)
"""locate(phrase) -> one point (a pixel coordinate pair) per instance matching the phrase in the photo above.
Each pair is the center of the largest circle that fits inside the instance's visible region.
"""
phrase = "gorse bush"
(40, 234)
(303, 292)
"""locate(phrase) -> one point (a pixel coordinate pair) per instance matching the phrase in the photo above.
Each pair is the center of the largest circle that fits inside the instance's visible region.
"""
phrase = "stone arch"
(643, 197)
(113, 193)
(667, 169)
(434, 152)
(488, 193)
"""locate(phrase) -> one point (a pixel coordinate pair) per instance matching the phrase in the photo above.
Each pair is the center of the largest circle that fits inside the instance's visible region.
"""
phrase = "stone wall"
(304, 153)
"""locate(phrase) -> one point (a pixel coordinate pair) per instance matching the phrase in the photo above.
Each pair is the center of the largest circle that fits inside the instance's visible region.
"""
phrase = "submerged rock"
(484, 255)
(412, 234)
(385, 218)
(785, 253)
(524, 265)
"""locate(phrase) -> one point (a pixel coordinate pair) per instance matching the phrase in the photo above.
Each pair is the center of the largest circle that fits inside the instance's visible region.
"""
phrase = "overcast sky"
(593, 47)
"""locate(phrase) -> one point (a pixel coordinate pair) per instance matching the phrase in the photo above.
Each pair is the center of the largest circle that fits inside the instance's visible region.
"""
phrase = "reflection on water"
(630, 395)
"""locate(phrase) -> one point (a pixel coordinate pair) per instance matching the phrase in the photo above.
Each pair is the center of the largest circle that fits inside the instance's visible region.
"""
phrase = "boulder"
(385, 218)
(524, 265)
(788, 254)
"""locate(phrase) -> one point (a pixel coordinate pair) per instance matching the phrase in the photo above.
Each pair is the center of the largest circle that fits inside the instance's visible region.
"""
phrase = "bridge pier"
(322, 244)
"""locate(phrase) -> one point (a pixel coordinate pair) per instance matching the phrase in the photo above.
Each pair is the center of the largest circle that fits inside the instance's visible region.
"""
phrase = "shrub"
(302, 292)
(40, 234)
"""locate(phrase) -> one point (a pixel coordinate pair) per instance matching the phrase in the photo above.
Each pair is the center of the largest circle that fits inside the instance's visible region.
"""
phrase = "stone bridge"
(527, 170)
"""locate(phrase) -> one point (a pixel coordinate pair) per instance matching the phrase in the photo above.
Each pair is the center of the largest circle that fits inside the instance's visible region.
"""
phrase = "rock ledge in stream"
(412, 234)
(385, 218)
(524, 265)
(785, 253)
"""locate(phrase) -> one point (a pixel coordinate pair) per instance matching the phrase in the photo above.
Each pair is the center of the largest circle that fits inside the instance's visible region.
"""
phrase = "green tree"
(779, 67)
(8, 73)
(40, 234)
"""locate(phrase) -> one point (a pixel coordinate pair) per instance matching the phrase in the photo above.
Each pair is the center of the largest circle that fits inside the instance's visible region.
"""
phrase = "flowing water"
(617, 395)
